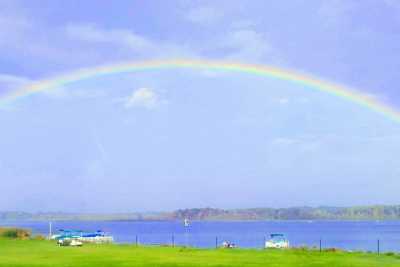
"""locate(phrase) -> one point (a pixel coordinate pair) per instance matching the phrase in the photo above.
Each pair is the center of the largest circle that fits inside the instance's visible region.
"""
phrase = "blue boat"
(88, 237)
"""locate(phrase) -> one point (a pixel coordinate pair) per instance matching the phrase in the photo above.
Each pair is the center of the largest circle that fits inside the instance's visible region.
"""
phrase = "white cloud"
(120, 37)
(304, 100)
(247, 45)
(13, 22)
(238, 37)
(143, 97)
(99, 145)
(28, 40)
(82, 93)
(11, 82)
(304, 143)
(12, 28)
(244, 24)
(336, 13)
(59, 48)
(283, 101)
(284, 141)
(63, 47)
(204, 15)
(392, 3)
(125, 43)
(376, 97)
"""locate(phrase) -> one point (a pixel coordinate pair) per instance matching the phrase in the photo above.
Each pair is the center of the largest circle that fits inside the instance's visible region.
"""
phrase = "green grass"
(46, 253)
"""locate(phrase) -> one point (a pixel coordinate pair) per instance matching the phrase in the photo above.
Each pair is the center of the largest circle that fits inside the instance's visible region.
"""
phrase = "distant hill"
(62, 216)
(295, 213)
(378, 212)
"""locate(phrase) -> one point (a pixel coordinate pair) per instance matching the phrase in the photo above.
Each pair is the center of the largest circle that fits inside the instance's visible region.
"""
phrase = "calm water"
(346, 235)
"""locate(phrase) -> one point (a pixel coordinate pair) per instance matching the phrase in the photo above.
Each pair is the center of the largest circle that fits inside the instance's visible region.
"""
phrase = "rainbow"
(261, 70)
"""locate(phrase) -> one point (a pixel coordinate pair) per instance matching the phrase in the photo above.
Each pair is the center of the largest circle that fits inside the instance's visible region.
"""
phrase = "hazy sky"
(160, 140)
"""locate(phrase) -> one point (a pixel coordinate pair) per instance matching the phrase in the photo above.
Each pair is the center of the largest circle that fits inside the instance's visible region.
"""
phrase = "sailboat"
(186, 222)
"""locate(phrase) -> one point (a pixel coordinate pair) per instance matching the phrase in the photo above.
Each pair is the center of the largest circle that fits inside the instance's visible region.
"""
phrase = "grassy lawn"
(46, 253)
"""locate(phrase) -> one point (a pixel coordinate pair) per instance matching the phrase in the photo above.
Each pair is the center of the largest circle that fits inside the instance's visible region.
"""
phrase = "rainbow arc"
(313, 83)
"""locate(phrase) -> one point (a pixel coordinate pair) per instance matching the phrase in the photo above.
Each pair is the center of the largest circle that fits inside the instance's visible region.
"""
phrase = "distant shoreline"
(7, 221)
(359, 213)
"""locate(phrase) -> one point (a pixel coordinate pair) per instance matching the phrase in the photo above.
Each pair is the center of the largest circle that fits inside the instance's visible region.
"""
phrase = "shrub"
(301, 248)
(15, 233)
(332, 250)
(39, 237)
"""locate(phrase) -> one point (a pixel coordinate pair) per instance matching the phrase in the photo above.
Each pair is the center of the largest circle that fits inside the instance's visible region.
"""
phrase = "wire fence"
(209, 242)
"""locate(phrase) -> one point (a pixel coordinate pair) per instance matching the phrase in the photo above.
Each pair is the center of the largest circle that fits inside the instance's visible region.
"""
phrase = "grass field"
(46, 253)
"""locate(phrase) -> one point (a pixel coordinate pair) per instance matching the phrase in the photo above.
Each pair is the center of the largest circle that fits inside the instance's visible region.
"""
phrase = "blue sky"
(160, 140)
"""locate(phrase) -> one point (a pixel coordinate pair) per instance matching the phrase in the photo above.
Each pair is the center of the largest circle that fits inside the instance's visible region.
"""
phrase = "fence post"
(136, 240)
(379, 245)
(264, 242)
(216, 242)
(173, 241)
(50, 230)
(320, 245)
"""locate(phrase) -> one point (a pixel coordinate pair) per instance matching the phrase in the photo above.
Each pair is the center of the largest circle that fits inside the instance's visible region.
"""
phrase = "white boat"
(69, 242)
(277, 241)
(186, 222)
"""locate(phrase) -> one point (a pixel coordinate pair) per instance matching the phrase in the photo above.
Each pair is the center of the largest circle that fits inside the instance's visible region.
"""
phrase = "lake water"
(345, 235)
